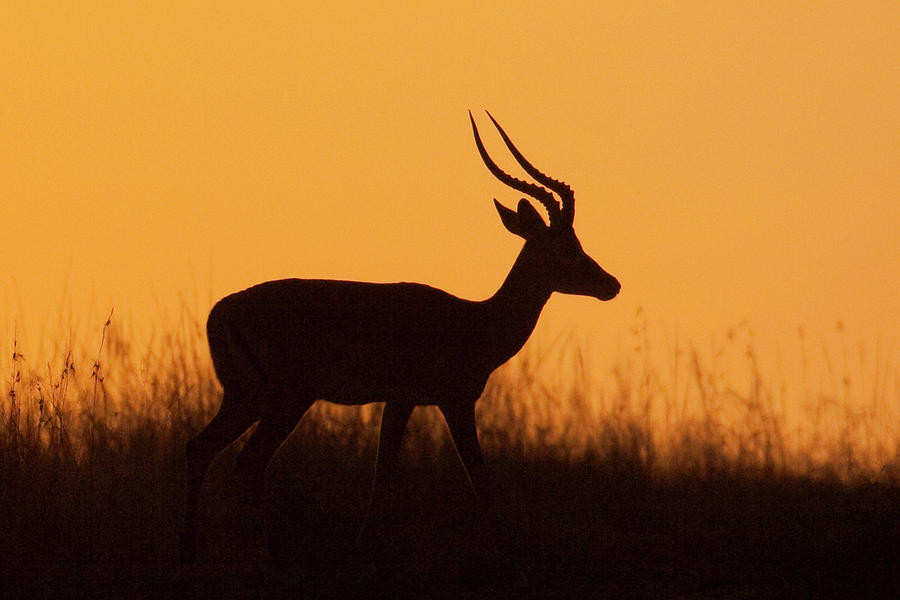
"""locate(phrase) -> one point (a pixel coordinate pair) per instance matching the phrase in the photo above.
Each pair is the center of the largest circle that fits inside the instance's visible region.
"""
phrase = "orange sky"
(731, 161)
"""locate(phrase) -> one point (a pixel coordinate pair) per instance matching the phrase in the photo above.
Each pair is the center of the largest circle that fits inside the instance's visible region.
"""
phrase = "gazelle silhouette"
(281, 345)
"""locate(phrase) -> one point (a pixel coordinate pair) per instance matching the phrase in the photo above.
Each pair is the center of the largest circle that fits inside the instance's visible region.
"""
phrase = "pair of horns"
(559, 216)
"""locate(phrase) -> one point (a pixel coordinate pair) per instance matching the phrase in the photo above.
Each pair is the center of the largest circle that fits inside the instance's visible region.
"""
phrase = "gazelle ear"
(526, 222)
(509, 217)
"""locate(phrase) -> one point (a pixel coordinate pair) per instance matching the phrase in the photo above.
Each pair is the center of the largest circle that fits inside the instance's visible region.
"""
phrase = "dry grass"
(674, 471)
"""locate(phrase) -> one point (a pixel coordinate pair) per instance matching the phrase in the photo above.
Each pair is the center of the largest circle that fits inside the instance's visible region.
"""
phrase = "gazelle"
(281, 345)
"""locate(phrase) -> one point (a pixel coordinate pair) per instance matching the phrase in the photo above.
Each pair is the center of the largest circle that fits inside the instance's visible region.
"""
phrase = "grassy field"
(691, 476)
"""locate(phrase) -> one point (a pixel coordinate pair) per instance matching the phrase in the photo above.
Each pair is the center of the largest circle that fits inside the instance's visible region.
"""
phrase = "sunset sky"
(732, 160)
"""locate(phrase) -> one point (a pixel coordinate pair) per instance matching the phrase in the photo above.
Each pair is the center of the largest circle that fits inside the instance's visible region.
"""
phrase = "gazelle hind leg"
(235, 416)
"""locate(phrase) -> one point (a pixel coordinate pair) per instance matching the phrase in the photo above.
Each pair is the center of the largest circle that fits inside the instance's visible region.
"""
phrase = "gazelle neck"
(512, 312)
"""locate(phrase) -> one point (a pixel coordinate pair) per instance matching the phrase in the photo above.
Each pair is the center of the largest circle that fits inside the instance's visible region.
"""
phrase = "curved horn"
(535, 191)
(560, 187)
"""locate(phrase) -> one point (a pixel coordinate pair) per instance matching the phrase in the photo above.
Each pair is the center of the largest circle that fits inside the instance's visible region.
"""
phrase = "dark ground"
(597, 529)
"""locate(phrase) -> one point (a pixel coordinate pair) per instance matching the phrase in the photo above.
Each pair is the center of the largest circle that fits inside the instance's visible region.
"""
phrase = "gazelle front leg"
(461, 421)
(393, 423)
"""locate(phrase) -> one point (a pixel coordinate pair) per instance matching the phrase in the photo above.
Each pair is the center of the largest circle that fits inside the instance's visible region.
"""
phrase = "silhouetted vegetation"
(675, 482)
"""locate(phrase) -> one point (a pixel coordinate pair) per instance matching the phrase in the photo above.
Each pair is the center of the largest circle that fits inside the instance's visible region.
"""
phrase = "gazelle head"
(564, 264)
